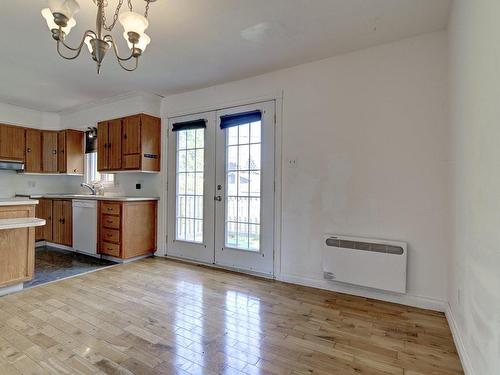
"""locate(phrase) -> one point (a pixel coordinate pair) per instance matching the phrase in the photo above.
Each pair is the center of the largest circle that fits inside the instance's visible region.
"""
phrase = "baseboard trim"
(51, 244)
(11, 289)
(403, 299)
(459, 342)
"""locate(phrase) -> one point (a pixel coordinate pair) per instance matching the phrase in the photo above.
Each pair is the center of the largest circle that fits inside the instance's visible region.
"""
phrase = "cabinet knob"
(28, 149)
(54, 152)
(124, 136)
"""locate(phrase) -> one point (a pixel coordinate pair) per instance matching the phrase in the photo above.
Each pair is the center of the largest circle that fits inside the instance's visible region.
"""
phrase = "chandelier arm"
(109, 38)
(129, 69)
(78, 49)
(67, 57)
(87, 33)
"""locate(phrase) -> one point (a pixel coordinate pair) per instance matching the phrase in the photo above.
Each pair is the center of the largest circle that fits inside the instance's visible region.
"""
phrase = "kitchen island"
(17, 242)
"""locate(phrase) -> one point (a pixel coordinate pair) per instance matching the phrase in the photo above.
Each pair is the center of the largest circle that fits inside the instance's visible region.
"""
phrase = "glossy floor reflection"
(157, 316)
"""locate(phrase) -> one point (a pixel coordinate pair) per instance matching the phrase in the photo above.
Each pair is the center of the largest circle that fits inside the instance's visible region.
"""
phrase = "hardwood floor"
(157, 316)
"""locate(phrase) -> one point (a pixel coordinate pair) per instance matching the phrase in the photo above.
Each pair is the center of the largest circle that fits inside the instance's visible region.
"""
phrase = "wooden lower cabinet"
(58, 214)
(127, 229)
(43, 210)
(62, 222)
(17, 247)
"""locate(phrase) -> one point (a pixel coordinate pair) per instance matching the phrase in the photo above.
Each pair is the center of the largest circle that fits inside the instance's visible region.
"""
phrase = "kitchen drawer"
(112, 222)
(110, 235)
(110, 249)
(110, 208)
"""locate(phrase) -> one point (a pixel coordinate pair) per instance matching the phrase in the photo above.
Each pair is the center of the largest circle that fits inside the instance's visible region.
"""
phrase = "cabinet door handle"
(28, 149)
(54, 152)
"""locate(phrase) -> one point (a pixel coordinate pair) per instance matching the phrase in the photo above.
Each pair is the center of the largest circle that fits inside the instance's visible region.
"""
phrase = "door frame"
(215, 105)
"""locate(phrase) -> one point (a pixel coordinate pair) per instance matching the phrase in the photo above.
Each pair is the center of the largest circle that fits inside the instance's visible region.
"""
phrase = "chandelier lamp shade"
(60, 17)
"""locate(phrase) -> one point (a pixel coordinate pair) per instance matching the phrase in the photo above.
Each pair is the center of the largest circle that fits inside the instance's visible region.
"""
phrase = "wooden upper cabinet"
(12, 142)
(115, 144)
(131, 135)
(138, 145)
(33, 161)
(109, 145)
(61, 152)
(70, 147)
(102, 146)
(49, 151)
(150, 143)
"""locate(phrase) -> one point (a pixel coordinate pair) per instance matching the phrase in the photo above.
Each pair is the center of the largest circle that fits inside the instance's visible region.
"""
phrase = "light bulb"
(88, 38)
(49, 17)
(143, 42)
(67, 8)
(133, 22)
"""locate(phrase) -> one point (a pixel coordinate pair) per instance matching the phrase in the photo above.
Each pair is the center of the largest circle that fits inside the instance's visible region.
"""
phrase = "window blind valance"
(187, 125)
(228, 121)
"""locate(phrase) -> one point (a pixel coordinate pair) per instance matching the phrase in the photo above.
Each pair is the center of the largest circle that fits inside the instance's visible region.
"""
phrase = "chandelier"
(59, 16)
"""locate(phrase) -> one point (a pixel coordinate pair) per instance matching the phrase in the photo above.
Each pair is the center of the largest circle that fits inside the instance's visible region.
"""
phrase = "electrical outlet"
(292, 163)
(138, 186)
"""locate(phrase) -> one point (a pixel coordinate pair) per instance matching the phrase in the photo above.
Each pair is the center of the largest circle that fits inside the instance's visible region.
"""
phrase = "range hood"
(11, 165)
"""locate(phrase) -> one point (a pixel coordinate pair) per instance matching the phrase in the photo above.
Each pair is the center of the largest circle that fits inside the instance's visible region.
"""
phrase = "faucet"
(91, 187)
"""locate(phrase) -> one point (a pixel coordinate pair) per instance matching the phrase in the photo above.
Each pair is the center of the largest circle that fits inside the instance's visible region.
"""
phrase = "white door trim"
(278, 96)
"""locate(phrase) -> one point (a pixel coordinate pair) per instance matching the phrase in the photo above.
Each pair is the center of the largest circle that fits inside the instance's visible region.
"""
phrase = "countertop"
(92, 197)
(17, 201)
(21, 222)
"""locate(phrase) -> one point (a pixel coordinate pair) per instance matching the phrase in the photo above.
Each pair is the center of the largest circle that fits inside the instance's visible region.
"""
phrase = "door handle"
(218, 198)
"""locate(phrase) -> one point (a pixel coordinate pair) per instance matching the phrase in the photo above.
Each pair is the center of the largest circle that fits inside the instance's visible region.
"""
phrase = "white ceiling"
(198, 43)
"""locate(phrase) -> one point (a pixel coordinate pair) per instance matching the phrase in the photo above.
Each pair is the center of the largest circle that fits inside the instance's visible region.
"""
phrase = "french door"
(221, 187)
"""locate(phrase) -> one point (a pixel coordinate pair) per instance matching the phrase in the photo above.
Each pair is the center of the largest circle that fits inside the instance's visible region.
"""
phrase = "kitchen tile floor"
(54, 264)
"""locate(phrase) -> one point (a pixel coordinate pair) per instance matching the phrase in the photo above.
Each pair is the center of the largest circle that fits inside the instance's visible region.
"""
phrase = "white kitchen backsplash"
(12, 183)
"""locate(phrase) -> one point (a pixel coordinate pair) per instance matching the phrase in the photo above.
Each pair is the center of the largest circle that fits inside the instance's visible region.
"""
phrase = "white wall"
(11, 182)
(369, 132)
(474, 286)
(14, 115)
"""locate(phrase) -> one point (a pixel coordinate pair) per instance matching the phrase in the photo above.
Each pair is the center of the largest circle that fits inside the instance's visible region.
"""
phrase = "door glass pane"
(243, 182)
(189, 186)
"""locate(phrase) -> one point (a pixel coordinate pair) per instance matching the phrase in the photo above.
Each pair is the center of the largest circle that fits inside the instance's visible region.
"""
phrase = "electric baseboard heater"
(372, 263)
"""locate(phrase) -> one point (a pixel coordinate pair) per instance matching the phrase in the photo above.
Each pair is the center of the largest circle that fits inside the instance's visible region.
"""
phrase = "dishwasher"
(85, 226)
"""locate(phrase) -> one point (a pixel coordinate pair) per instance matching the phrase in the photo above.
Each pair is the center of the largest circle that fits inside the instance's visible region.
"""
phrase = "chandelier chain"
(115, 16)
(117, 11)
